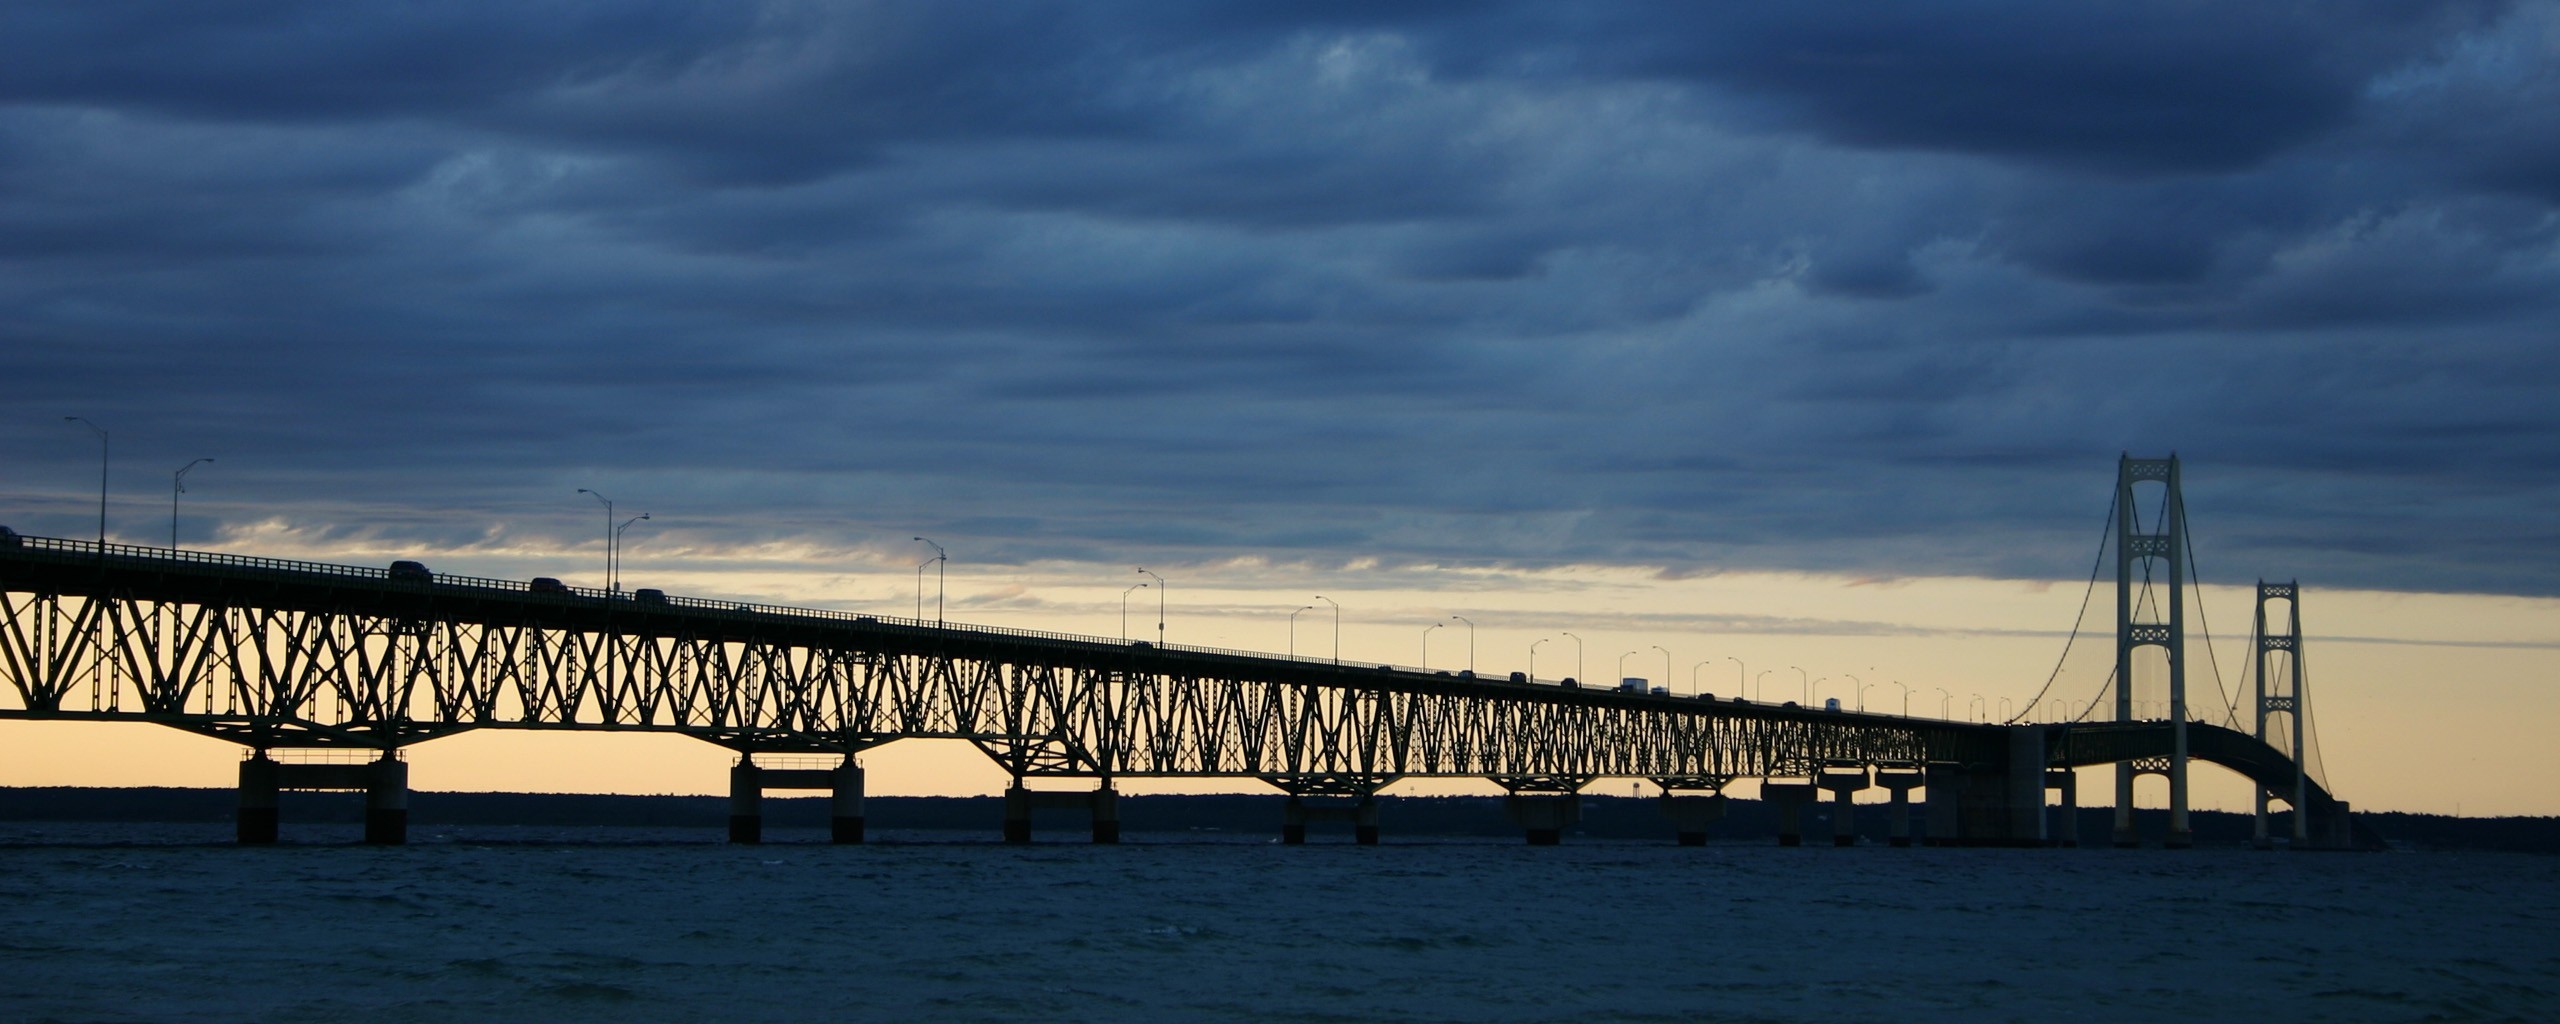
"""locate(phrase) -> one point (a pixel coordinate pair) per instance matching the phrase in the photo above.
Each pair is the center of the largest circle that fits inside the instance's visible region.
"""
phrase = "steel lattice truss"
(295, 655)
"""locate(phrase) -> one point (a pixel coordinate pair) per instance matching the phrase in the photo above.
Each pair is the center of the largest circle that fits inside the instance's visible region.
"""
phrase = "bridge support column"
(1543, 817)
(746, 801)
(1101, 805)
(1691, 814)
(1362, 814)
(386, 802)
(844, 820)
(1899, 785)
(257, 818)
(1106, 814)
(2025, 788)
(2066, 832)
(1790, 798)
(1945, 803)
(1844, 786)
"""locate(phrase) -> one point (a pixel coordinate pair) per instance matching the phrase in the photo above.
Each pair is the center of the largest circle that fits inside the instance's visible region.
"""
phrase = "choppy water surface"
(498, 924)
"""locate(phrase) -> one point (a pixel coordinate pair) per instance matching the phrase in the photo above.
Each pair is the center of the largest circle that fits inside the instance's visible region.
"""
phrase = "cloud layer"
(1877, 290)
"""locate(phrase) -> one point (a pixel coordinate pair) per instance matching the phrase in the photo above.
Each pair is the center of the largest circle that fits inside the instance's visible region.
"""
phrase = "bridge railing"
(83, 549)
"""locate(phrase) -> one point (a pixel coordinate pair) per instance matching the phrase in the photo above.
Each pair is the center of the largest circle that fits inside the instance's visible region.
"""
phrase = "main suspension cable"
(2104, 532)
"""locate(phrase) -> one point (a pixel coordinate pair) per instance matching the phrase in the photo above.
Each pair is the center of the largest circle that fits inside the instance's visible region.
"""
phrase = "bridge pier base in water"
(1690, 815)
(748, 782)
(1899, 784)
(1844, 785)
(384, 783)
(2066, 831)
(1790, 798)
(1362, 814)
(1101, 803)
(1543, 817)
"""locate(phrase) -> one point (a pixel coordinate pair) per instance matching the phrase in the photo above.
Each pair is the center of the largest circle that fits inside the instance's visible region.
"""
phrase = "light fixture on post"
(178, 486)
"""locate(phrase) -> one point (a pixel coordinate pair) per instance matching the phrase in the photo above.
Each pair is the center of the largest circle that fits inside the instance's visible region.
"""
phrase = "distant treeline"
(1602, 816)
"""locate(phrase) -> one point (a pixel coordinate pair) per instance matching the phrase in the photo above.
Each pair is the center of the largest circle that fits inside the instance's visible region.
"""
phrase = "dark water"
(169, 923)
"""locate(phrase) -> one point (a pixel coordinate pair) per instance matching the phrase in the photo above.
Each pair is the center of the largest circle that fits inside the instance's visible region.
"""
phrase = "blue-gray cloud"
(1876, 289)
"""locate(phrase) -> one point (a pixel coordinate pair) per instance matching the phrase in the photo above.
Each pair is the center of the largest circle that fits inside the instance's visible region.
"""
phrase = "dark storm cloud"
(1876, 290)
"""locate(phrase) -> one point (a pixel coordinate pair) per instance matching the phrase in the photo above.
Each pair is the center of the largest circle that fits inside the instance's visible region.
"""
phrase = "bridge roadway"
(292, 656)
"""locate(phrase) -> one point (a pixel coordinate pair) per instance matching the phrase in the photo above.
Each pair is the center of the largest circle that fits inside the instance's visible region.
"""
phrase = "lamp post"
(1159, 605)
(1293, 631)
(1471, 642)
(1862, 695)
(1968, 706)
(1861, 700)
(1124, 610)
(608, 534)
(1580, 672)
(1696, 687)
(102, 476)
(1807, 678)
(617, 549)
(1337, 627)
(1760, 685)
(1622, 669)
(1666, 670)
(178, 486)
(1533, 657)
(940, 562)
(1740, 672)
(1906, 698)
(1944, 697)
(1426, 644)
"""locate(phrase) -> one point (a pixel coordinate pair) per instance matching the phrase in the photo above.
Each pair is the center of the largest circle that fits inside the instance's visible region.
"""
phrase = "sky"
(1766, 332)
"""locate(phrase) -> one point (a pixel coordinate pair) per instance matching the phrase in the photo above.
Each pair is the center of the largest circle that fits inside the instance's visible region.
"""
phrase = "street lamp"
(1580, 671)
(1426, 644)
(1622, 667)
(102, 477)
(940, 562)
(1862, 687)
(1694, 685)
(1740, 671)
(1760, 684)
(1968, 706)
(1533, 657)
(1124, 610)
(1862, 695)
(1293, 631)
(1906, 698)
(1159, 605)
(1666, 670)
(1807, 678)
(1944, 697)
(617, 549)
(1337, 627)
(178, 486)
(1471, 642)
(608, 534)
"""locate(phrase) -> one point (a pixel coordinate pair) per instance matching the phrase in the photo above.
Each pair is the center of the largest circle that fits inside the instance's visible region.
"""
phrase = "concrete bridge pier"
(1943, 803)
(1844, 786)
(748, 782)
(1543, 817)
(746, 801)
(1101, 803)
(1899, 784)
(1790, 799)
(384, 783)
(1361, 813)
(386, 802)
(257, 819)
(1690, 814)
(2066, 831)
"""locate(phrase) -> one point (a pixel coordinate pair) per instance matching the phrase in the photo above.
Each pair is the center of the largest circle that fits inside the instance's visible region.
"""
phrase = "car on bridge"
(411, 572)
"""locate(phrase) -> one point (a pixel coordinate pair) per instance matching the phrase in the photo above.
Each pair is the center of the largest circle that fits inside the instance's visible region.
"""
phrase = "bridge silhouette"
(324, 673)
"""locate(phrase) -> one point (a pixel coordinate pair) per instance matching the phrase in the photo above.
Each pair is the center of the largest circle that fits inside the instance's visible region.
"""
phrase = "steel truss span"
(275, 654)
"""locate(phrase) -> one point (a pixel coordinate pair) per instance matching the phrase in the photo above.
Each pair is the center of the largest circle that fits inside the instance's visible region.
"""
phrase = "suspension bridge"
(324, 673)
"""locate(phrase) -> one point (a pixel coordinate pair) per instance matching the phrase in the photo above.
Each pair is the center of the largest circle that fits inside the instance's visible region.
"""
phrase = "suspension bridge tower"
(2281, 692)
(2145, 617)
